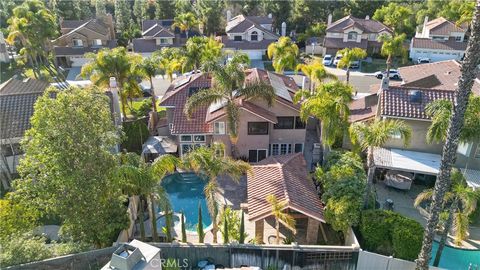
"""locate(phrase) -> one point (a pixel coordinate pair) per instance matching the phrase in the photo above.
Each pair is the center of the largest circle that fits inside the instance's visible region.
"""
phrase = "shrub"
(22, 249)
(136, 133)
(376, 228)
(407, 238)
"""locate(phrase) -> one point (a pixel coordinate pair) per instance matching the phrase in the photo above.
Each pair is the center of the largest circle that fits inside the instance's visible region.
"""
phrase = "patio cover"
(417, 162)
(159, 145)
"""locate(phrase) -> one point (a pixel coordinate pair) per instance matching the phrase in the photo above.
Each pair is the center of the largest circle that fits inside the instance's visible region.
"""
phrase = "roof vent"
(126, 257)
(415, 96)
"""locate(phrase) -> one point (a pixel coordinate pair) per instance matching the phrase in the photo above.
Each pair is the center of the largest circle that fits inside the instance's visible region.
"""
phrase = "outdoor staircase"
(189, 178)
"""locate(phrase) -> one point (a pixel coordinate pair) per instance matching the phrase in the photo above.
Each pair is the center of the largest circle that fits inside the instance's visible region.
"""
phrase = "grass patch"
(268, 66)
(137, 104)
(378, 64)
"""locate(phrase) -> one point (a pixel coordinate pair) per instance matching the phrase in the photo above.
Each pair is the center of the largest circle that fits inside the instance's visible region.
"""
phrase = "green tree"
(184, 231)
(199, 50)
(396, 16)
(234, 224)
(140, 11)
(200, 232)
(68, 10)
(206, 162)
(392, 46)
(117, 63)
(123, 15)
(170, 60)
(230, 79)
(225, 231)
(283, 53)
(65, 171)
(209, 14)
(150, 67)
(242, 233)
(277, 211)
(164, 9)
(348, 57)
(460, 202)
(185, 22)
(376, 134)
(183, 6)
(16, 219)
(100, 9)
(280, 10)
(24, 249)
(316, 72)
(468, 67)
(329, 103)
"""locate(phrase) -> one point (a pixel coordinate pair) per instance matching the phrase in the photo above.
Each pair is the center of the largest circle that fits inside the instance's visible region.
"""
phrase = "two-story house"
(263, 130)
(421, 85)
(439, 40)
(351, 32)
(249, 34)
(83, 36)
(158, 34)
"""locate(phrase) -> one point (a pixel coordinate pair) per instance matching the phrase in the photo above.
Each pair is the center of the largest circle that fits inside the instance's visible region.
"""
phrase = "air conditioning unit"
(317, 145)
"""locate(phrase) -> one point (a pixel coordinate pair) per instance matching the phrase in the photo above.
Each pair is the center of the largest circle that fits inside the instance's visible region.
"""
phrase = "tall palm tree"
(459, 202)
(316, 72)
(280, 216)
(199, 50)
(283, 53)
(392, 46)
(116, 63)
(169, 60)
(329, 103)
(228, 86)
(348, 57)
(185, 22)
(206, 162)
(376, 134)
(469, 73)
(149, 68)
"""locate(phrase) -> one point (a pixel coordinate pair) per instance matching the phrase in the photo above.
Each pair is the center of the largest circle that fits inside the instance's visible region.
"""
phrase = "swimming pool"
(185, 191)
(455, 258)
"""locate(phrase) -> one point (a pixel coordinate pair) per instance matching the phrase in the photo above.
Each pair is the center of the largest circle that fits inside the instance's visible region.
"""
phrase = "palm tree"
(206, 162)
(117, 63)
(283, 53)
(348, 57)
(316, 72)
(329, 103)
(280, 216)
(449, 155)
(229, 86)
(169, 60)
(150, 67)
(459, 202)
(185, 22)
(392, 47)
(376, 134)
(199, 50)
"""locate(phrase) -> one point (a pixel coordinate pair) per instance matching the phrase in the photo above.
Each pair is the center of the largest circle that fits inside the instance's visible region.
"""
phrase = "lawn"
(379, 64)
(136, 104)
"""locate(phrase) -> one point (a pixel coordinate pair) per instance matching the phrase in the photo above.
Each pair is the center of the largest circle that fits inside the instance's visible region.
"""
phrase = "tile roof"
(369, 26)
(158, 31)
(396, 101)
(147, 24)
(247, 106)
(245, 44)
(70, 24)
(441, 26)
(363, 108)
(242, 23)
(17, 100)
(441, 75)
(96, 25)
(286, 177)
(78, 51)
(261, 19)
(146, 45)
(448, 45)
(329, 42)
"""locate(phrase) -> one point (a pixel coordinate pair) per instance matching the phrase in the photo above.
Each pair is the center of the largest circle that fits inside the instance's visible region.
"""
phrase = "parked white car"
(327, 60)
(423, 60)
(337, 59)
(394, 74)
(355, 64)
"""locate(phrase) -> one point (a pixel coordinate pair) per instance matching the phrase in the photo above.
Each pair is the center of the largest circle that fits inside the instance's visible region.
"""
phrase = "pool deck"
(403, 204)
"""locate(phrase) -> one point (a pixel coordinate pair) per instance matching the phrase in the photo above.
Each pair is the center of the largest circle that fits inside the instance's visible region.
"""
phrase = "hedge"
(390, 233)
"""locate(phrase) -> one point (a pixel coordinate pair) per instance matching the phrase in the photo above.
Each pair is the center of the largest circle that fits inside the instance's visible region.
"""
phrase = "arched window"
(352, 35)
(254, 36)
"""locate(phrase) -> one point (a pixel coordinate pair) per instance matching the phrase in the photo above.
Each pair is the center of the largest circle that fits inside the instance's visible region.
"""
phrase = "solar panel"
(182, 82)
(279, 86)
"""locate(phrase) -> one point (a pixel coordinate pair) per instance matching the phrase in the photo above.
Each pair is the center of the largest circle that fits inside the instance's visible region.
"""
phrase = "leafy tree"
(184, 231)
(392, 46)
(453, 10)
(164, 9)
(23, 249)
(454, 132)
(283, 53)
(65, 171)
(210, 13)
(440, 111)
(170, 61)
(123, 15)
(199, 50)
(329, 103)
(348, 57)
(225, 231)
(185, 22)
(234, 224)
(280, 11)
(183, 6)
(460, 202)
(117, 63)
(100, 9)
(149, 67)
(135, 134)
(316, 72)
(200, 232)
(280, 216)
(314, 30)
(376, 134)
(6, 8)
(16, 219)
(242, 233)
(68, 10)
(396, 16)
(230, 79)
(140, 11)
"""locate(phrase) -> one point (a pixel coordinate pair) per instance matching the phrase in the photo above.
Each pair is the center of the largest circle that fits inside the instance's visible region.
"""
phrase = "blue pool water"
(185, 191)
(456, 259)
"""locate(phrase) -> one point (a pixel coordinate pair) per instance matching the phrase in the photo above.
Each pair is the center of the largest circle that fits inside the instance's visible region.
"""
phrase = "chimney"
(385, 83)
(424, 28)
(367, 17)
(284, 29)
(269, 15)
(229, 15)
(329, 20)
(126, 257)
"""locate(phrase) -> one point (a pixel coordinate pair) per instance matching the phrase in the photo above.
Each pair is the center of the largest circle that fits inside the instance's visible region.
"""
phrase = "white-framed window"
(254, 36)
(199, 138)
(187, 147)
(298, 148)
(185, 138)
(280, 149)
(373, 37)
(97, 42)
(255, 155)
(352, 35)
(163, 41)
(219, 128)
(458, 38)
(77, 43)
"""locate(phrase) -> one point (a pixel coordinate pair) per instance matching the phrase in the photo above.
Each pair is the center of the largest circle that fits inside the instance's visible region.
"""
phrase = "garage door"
(255, 54)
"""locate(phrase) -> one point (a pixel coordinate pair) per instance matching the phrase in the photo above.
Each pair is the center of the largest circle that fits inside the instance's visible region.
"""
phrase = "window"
(97, 42)
(299, 124)
(298, 148)
(464, 148)
(77, 43)
(186, 138)
(438, 38)
(373, 37)
(219, 128)
(280, 149)
(256, 155)
(254, 36)
(199, 138)
(352, 35)
(275, 150)
(163, 41)
(237, 38)
(458, 38)
(257, 128)
(284, 122)
(186, 148)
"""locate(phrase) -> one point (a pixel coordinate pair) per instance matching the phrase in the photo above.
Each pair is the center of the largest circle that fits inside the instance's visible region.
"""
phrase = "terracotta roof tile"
(369, 26)
(286, 177)
(448, 45)
(441, 26)
(363, 108)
